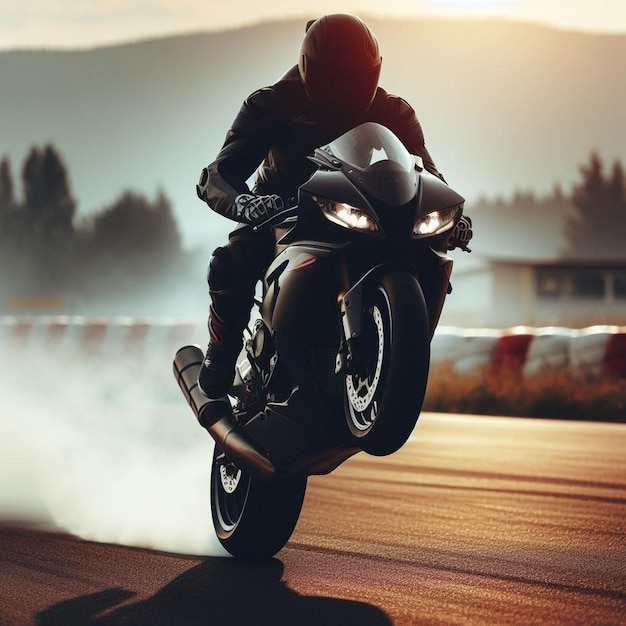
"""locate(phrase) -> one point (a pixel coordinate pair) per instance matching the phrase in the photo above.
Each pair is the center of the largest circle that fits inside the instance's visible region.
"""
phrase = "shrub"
(556, 394)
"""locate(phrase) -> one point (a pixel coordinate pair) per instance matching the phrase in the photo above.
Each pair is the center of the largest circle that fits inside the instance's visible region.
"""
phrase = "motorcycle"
(337, 363)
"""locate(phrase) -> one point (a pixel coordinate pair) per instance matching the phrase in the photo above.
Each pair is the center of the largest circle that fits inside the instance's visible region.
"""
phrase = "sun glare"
(472, 7)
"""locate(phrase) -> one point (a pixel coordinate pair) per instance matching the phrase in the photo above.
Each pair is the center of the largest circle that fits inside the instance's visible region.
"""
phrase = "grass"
(556, 394)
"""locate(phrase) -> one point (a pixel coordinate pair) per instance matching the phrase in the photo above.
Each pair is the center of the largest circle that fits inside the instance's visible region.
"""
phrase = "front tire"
(384, 397)
(252, 519)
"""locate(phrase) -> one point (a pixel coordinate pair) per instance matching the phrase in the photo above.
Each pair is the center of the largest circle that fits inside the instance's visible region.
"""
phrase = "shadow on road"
(218, 591)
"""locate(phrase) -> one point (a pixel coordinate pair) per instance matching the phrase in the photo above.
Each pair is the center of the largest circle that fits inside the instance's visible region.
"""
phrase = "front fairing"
(435, 195)
(360, 173)
(369, 169)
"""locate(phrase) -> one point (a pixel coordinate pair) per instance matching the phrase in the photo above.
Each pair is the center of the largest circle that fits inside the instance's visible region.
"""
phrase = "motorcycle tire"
(252, 519)
(384, 397)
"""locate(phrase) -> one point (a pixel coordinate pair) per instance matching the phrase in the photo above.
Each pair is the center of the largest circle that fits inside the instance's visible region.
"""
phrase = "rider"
(333, 88)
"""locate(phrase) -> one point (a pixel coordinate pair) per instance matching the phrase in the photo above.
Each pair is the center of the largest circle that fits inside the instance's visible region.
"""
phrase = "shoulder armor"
(400, 108)
(260, 99)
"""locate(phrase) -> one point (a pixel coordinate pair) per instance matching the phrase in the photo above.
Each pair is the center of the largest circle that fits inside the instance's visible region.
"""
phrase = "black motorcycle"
(338, 361)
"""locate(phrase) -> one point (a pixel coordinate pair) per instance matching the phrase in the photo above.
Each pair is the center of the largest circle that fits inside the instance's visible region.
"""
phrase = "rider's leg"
(233, 273)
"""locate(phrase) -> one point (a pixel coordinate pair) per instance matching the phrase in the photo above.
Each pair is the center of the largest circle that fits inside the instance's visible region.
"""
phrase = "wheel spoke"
(363, 383)
(230, 486)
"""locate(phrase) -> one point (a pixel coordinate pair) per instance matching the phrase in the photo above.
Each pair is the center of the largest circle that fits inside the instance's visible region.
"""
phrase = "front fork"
(434, 279)
(351, 316)
(433, 274)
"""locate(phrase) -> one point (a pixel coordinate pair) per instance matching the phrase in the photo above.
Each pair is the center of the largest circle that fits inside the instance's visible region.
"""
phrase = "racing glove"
(253, 209)
(462, 234)
(249, 208)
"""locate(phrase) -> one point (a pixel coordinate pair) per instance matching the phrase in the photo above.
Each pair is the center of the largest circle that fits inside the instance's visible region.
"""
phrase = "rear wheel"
(252, 519)
(384, 396)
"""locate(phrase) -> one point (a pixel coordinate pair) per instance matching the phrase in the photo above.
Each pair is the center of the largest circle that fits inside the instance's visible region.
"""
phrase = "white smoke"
(107, 451)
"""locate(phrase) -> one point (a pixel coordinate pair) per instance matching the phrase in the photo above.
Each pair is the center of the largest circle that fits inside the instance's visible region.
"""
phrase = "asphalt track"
(475, 521)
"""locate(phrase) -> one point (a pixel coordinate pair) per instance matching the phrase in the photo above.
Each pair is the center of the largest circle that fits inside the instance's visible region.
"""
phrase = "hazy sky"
(78, 23)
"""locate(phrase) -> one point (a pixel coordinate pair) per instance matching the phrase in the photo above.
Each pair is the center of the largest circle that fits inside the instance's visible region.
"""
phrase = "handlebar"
(277, 218)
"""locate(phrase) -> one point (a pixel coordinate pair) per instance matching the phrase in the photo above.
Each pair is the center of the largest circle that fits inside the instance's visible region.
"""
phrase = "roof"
(577, 262)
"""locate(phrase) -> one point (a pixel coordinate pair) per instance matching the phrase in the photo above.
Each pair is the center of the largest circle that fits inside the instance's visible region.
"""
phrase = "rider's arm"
(404, 123)
(247, 144)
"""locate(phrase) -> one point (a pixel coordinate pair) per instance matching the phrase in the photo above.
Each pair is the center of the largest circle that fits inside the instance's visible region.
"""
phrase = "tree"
(42, 230)
(7, 198)
(48, 201)
(130, 247)
(135, 227)
(7, 205)
(597, 226)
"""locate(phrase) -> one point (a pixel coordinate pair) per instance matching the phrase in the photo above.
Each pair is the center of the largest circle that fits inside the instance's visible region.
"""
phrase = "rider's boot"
(218, 368)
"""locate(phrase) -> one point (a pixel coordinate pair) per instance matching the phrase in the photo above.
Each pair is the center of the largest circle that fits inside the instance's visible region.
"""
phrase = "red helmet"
(340, 63)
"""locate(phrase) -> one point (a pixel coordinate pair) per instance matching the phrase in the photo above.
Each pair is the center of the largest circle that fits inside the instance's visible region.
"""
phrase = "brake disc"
(359, 400)
(230, 477)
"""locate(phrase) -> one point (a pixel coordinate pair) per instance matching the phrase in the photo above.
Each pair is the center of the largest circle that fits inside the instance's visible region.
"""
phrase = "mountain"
(503, 105)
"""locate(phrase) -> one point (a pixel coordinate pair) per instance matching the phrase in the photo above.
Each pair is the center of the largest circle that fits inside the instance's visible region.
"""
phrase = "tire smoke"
(106, 451)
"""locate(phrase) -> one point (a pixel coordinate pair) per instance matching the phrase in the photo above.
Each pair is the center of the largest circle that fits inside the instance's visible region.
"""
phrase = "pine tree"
(7, 199)
(48, 201)
(597, 226)
(135, 227)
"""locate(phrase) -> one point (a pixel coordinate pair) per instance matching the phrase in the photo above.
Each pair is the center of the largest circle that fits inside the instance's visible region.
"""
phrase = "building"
(500, 292)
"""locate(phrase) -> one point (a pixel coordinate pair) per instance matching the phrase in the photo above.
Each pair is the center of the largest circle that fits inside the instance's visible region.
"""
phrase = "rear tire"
(385, 396)
(252, 519)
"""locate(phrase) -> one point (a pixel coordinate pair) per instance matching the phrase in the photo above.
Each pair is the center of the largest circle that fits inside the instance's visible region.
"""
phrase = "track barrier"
(82, 337)
(593, 351)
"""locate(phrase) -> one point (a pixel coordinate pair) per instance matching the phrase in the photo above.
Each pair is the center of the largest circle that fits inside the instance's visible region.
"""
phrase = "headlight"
(347, 215)
(435, 223)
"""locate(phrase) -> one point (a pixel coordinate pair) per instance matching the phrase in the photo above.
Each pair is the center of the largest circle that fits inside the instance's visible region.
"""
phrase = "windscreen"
(377, 161)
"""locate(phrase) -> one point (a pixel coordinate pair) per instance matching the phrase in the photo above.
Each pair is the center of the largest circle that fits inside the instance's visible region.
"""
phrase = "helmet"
(340, 63)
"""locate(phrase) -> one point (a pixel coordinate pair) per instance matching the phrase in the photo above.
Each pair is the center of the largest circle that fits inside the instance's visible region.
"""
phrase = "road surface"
(476, 520)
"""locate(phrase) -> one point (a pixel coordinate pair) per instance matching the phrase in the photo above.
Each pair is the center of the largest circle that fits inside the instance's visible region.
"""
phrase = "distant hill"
(503, 105)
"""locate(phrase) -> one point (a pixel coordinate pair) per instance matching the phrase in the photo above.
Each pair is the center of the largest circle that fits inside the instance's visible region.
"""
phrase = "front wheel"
(252, 519)
(385, 393)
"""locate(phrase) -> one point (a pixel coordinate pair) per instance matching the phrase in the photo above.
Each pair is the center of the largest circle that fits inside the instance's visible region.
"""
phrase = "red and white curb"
(77, 336)
(592, 351)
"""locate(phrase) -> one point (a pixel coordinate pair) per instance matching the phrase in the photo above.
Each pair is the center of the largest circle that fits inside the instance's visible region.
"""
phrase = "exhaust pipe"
(235, 443)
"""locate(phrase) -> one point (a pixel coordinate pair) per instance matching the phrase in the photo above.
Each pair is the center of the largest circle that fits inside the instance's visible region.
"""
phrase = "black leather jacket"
(278, 127)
